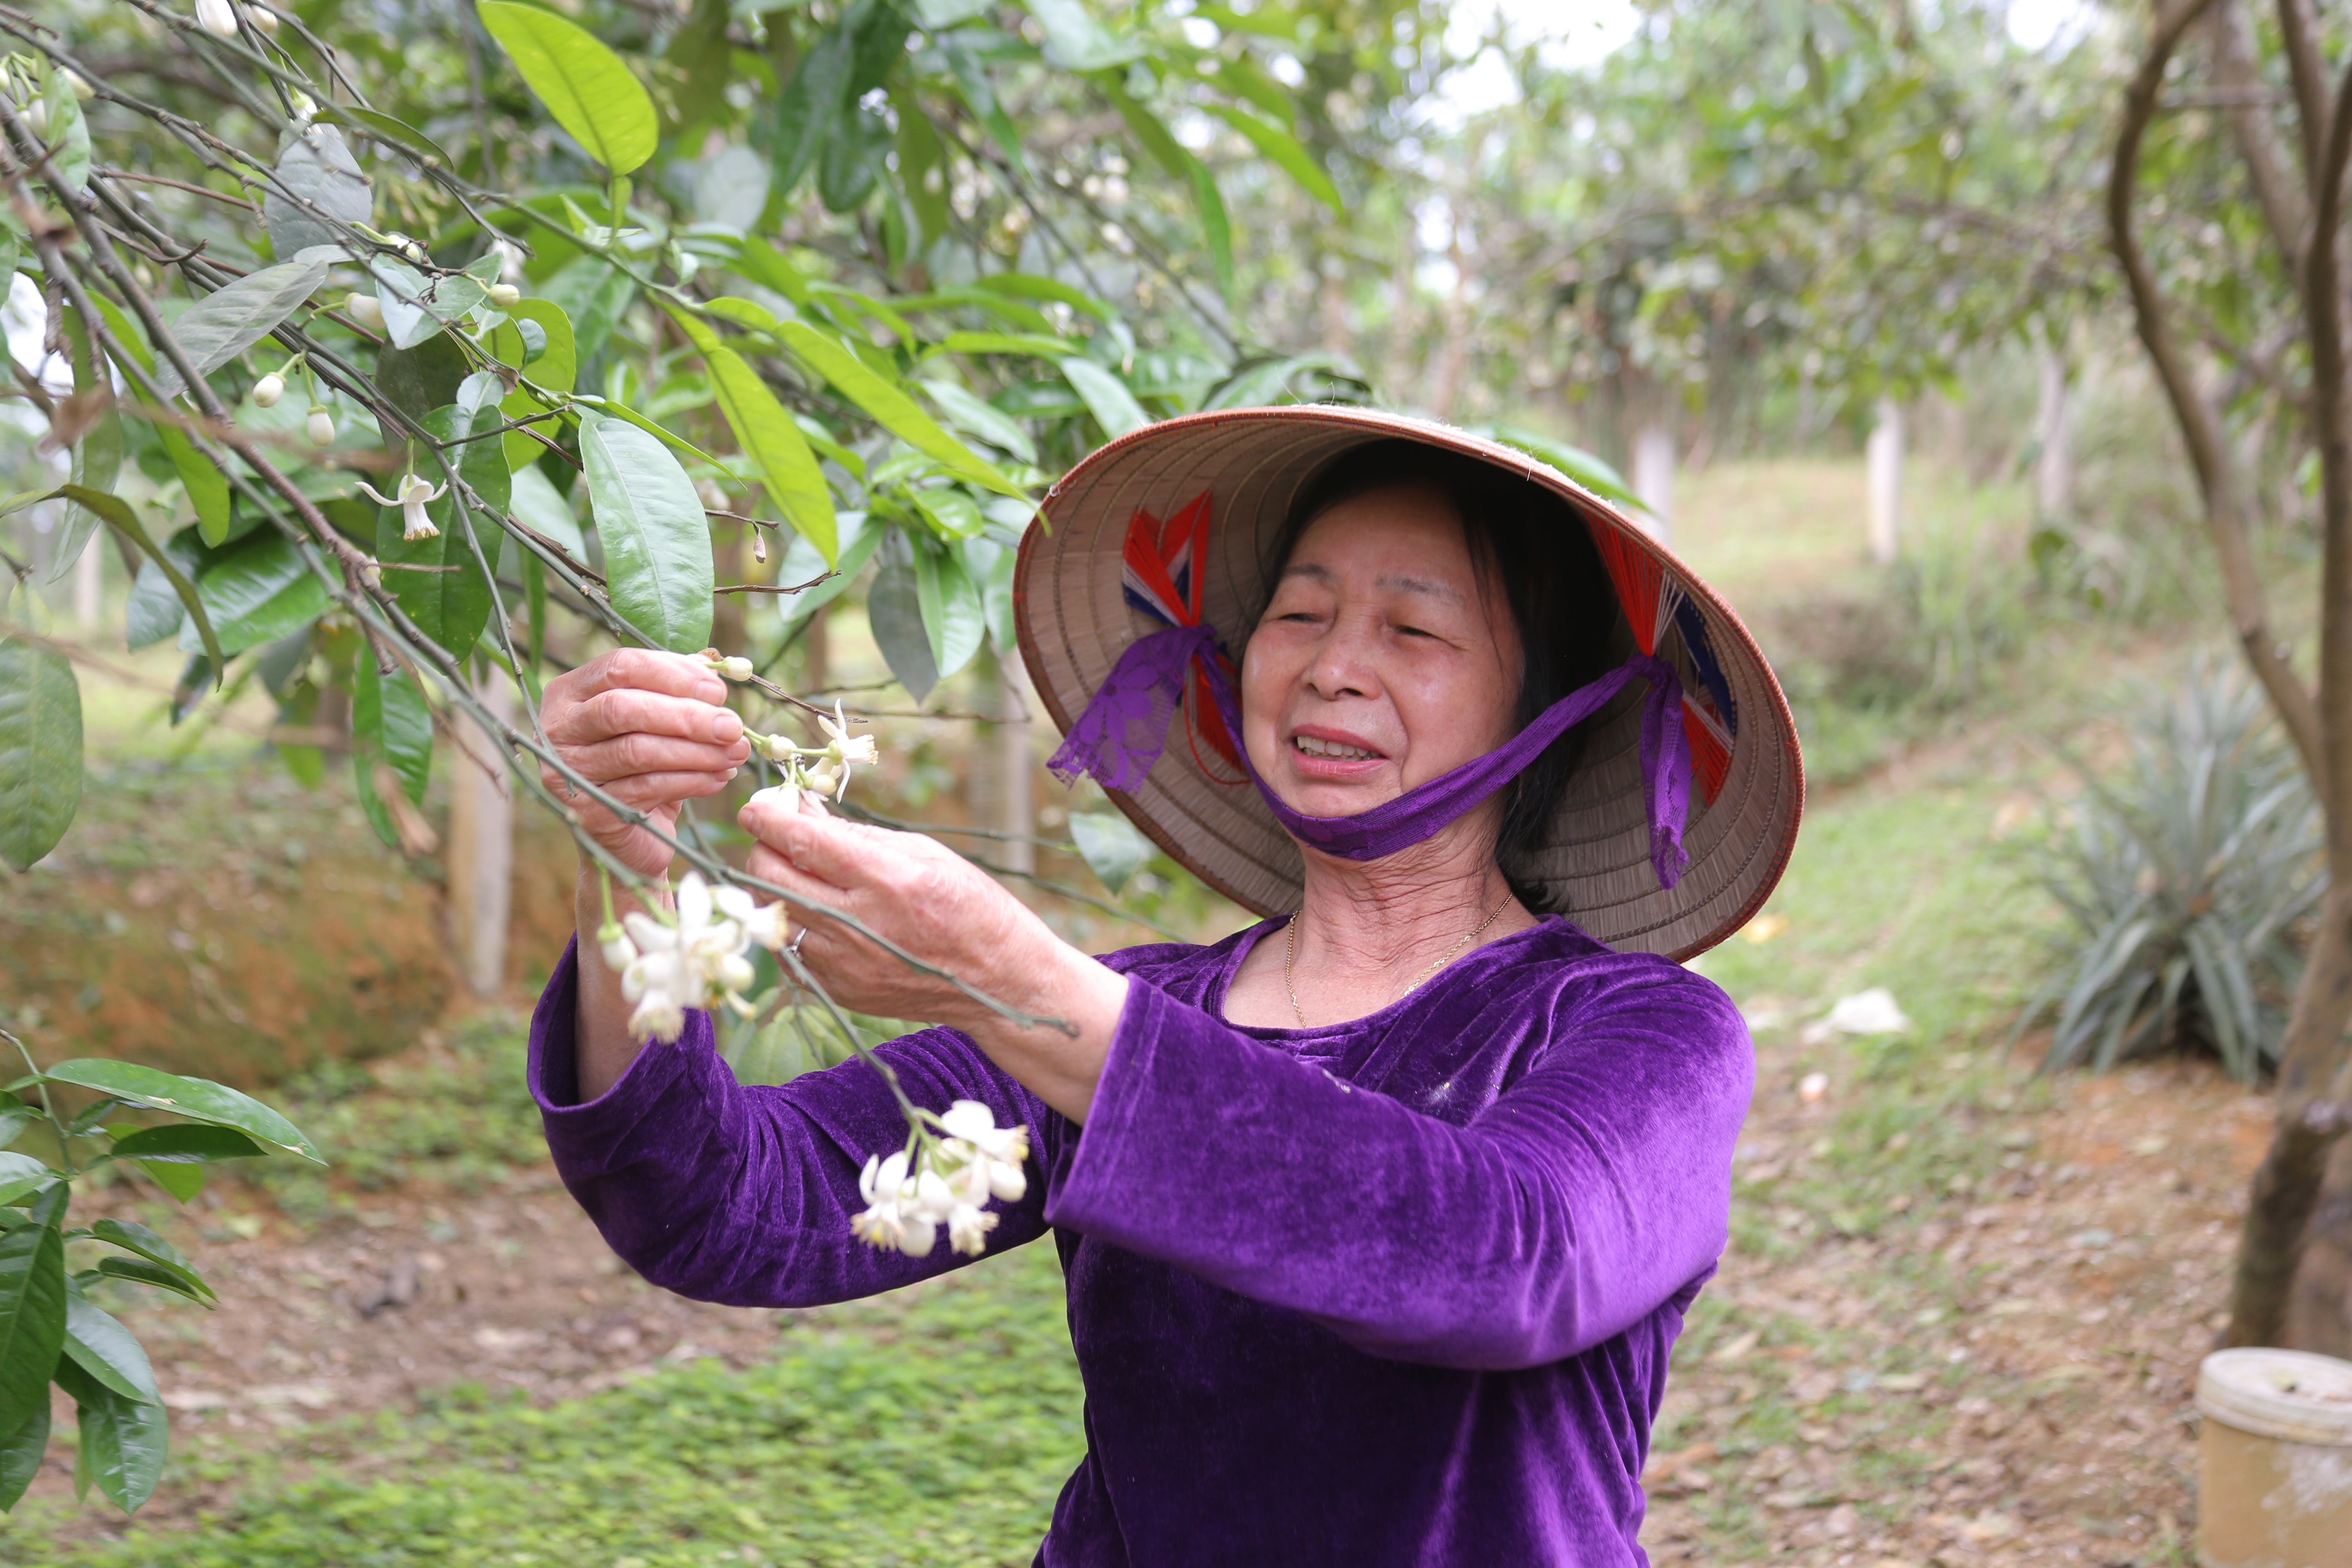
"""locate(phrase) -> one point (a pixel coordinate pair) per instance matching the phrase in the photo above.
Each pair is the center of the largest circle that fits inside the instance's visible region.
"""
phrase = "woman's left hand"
(946, 911)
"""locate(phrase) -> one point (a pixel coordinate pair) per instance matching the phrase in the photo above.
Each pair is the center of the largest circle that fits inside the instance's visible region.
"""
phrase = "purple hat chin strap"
(1124, 728)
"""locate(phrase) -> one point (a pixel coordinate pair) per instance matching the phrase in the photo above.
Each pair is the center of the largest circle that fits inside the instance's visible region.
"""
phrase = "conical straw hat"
(1748, 780)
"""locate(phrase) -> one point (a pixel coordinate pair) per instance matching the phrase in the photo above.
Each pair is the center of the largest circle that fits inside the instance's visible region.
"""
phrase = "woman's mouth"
(1315, 746)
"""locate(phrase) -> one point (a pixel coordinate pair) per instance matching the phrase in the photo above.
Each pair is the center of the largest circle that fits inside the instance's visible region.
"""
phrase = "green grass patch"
(934, 1426)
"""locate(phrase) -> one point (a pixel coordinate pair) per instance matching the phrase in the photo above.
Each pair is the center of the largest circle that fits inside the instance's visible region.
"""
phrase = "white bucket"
(2274, 1485)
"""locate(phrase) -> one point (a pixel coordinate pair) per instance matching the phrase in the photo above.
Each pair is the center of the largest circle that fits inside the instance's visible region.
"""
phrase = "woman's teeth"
(1319, 748)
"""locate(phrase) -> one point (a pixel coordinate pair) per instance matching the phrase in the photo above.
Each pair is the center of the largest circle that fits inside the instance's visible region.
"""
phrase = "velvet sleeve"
(1589, 1193)
(744, 1195)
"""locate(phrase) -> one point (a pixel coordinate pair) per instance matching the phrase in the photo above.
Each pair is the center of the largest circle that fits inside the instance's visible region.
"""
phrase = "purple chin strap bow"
(1125, 727)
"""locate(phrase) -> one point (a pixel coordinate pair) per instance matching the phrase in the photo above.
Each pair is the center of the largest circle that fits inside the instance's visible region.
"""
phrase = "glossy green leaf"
(951, 607)
(109, 1353)
(588, 89)
(1173, 156)
(656, 536)
(32, 1319)
(1111, 846)
(162, 1277)
(225, 324)
(318, 193)
(166, 579)
(194, 1098)
(185, 1142)
(1029, 286)
(990, 567)
(40, 756)
(889, 406)
(15, 1166)
(952, 512)
(255, 590)
(14, 1117)
(1107, 397)
(438, 580)
(1256, 385)
(416, 306)
(391, 725)
(207, 485)
(136, 1237)
(975, 416)
(1031, 343)
(894, 610)
(860, 537)
(788, 470)
(20, 1455)
(123, 1440)
(384, 128)
(1285, 150)
(810, 106)
(1593, 473)
(539, 506)
(182, 1182)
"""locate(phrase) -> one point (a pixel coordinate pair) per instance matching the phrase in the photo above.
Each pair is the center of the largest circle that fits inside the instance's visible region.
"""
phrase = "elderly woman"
(1379, 1218)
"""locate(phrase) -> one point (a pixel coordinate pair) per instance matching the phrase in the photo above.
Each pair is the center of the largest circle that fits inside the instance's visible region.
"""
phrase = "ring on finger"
(793, 946)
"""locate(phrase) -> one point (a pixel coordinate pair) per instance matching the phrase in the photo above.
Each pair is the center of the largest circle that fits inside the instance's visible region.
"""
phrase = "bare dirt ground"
(2049, 1330)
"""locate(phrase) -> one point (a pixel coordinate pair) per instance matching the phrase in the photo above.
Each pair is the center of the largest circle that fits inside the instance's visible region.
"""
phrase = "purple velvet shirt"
(1397, 1291)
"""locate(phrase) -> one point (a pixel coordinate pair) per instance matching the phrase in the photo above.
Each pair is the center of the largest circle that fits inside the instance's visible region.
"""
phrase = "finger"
(840, 852)
(653, 669)
(647, 792)
(641, 751)
(771, 867)
(621, 711)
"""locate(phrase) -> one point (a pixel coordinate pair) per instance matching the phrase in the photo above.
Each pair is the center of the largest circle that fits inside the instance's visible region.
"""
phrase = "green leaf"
(971, 414)
(1593, 473)
(1107, 397)
(224, 324)
(184, 1143)
(68, 133)
(97, 454)
(32, 1319)
(450, 601)
(1029, 286)
(1076, 41)
(416, 306)
(40, 756)
(583, 84)
(894, 609)
(20, 1454)
(173, 565)
(950, 606)
(1110, 845)
(890, 408)
(1031, 343)
(207, 485)
(18, 1167)
(795, 485)
(539, 506)
(952, 512)
(1286, 150)
(143, 1271)
(14, 1117)
(656, 539)
(317, 169)
(802, 564)
(990, 566)
(419, 380)
(194, 1098)
(1256, 385)
(137, 1238)
(123, 1440)
(810, 106)
(254, 591)
(390, 724)
(1172, 155)
(384, 129)
(182, 1182)
(109, 1353)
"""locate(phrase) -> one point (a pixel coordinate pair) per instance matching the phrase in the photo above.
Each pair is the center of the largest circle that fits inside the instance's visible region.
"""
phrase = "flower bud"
(364, 310)
(269, 389)
(37, 118)
(263, 18)
(504, 296)
(734, 668)
(81, 88)
(217, 17)
(320, 426)
(619, 951)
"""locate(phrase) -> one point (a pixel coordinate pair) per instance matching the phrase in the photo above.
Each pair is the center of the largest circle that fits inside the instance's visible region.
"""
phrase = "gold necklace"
(1290, 957)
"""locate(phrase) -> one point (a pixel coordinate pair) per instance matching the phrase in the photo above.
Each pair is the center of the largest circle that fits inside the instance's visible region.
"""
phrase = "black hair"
(1529, 543)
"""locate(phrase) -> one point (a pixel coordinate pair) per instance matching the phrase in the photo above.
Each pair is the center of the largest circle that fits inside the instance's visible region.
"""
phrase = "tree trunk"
(2319, 1316)
(90, 585)
(1653, 479)
(2054, 467)
(481, 848)
(1886, 462)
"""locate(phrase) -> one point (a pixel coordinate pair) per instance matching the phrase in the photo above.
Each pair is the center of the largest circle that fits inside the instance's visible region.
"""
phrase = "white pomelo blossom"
(411, 496)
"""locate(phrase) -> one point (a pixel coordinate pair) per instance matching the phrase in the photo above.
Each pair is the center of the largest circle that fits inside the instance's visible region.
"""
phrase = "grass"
(935, 1427)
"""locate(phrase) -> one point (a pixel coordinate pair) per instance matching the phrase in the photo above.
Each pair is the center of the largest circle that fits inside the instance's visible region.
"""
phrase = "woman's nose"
(1342, 665)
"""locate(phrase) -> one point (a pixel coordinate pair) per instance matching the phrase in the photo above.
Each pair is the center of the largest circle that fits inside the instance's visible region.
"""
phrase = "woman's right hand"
(651, 729)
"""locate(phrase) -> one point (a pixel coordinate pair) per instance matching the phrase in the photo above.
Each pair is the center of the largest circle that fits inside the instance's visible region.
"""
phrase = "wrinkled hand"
(913, 889)
(651, 729)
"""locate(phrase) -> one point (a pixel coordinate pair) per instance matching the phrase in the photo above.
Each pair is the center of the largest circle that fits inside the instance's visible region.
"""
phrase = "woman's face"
(1379, 663)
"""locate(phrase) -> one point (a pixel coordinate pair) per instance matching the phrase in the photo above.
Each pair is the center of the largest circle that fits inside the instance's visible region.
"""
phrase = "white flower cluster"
(907, 1200)
(696, 959)
(820, 769)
